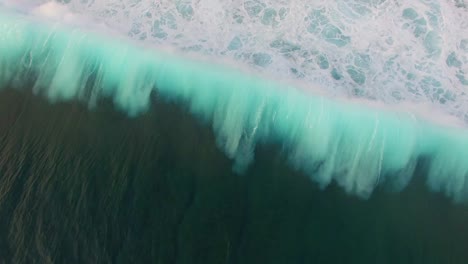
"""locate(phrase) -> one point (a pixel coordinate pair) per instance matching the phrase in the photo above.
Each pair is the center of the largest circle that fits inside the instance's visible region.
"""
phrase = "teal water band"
(354, 145)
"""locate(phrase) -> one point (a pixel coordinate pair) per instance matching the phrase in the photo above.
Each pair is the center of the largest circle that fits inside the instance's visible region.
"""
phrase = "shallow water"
(388, 51)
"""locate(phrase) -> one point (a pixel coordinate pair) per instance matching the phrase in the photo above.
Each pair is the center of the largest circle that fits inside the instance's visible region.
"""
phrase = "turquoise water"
(358, 146)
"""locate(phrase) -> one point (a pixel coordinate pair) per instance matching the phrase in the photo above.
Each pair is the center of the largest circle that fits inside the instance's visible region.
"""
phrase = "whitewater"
(389, 51)
(356, 92)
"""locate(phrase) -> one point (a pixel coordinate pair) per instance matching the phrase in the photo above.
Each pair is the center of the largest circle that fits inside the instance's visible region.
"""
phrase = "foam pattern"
(330, 140)
(384, 50)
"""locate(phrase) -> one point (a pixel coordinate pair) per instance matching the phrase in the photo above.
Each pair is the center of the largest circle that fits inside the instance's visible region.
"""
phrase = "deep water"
(95, 186)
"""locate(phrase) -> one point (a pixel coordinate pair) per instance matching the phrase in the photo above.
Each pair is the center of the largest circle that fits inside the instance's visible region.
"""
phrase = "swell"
(358, 147)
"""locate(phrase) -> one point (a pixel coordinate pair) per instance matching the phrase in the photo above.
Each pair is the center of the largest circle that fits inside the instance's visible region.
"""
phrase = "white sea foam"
(390, 51)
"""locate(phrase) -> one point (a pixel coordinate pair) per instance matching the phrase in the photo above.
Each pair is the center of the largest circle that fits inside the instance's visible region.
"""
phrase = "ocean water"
(233, 132)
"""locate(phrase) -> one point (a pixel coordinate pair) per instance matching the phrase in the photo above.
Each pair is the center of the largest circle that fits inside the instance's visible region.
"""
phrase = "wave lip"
(354, 145)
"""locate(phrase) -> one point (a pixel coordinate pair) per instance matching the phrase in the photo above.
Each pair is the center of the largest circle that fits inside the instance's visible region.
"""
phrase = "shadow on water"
(81, 186)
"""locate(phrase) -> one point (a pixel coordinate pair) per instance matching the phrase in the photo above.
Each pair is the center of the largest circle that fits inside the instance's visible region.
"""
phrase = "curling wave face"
(390, 51)
(329, 140)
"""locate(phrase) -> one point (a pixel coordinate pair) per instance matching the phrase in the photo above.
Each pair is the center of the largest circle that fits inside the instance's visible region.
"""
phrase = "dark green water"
(80, 186)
